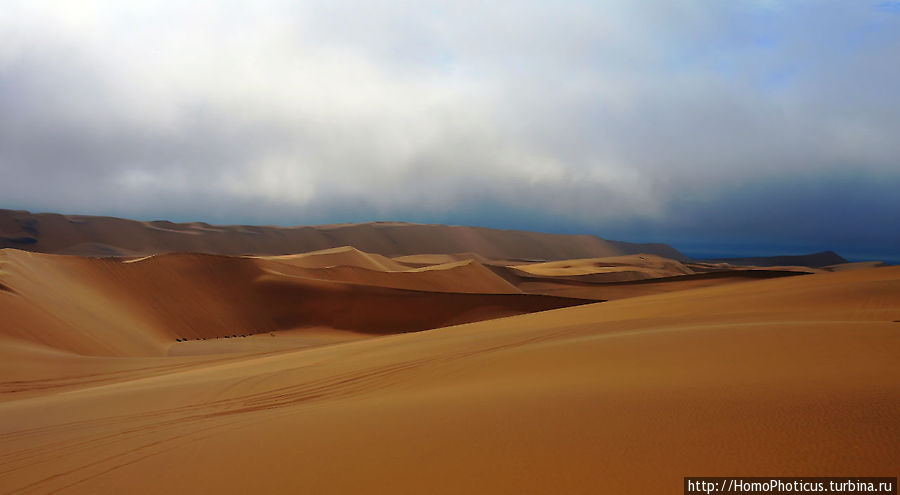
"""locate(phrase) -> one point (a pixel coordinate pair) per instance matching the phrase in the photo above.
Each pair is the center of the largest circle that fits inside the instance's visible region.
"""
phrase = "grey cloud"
(578, 116)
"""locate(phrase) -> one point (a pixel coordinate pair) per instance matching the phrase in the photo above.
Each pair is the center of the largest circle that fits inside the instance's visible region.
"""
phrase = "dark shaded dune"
(192, 295)
(307, 303)
(16, 241)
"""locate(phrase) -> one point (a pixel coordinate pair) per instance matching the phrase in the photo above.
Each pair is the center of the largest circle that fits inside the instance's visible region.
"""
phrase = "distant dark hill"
(815, 260)
(108, 236)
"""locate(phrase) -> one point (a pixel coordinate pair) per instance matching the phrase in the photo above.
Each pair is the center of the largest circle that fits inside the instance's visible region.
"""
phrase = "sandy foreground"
(743, 374)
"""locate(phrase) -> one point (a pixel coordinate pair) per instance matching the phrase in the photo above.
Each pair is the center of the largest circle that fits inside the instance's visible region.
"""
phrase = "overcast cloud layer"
(708, 124)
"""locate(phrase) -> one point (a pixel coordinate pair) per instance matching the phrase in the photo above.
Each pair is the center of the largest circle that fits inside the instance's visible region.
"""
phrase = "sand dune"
(141, 306)
(789, 375)
(346, 371)
(106, 236)
(341, 256)
(607, 269)
(347, 264)
(293, 303)
(583, 287)
(630, 276)
(421, 260)
(815, 260)
(854, 266)
(460, 276)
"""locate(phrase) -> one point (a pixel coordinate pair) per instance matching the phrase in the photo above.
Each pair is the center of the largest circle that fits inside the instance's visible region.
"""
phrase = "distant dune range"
(106, 236)
(824, 258)
(443, 360)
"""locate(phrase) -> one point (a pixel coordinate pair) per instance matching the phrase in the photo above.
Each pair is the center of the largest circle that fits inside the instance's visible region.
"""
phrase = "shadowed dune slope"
(788, 376)
(140, 306)
(69, 303)
(53, 233)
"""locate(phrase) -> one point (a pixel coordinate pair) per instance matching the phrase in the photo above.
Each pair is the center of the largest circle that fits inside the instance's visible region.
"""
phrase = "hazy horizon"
(699, 250)
(734, 128)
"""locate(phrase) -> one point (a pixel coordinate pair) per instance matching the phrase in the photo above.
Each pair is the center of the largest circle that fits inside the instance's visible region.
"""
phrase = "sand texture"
(351, 372)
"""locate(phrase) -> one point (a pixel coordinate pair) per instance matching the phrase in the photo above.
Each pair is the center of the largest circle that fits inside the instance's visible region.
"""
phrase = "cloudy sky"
(717, 126)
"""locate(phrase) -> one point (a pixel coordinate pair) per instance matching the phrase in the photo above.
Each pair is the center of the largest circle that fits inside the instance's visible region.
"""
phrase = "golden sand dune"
(629, 276)
(348, 264)
(608, 269)
(460, 276)
(141, 306)
(420, 260)
(340, 256)
(795, 375)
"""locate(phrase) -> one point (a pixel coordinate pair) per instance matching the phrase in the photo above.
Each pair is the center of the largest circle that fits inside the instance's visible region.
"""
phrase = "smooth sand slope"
(790, 376)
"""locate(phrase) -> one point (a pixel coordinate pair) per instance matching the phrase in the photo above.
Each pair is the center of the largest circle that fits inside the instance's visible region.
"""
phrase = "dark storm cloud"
(686, 121)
